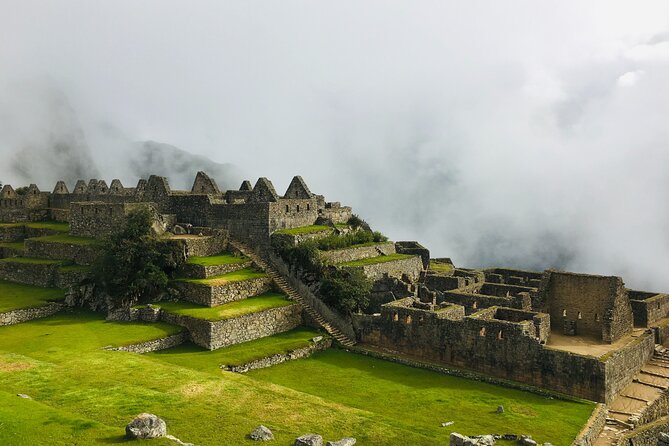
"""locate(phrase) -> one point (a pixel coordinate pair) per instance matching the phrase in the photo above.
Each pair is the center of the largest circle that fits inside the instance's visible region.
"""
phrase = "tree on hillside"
(134, 264)
(347, 291)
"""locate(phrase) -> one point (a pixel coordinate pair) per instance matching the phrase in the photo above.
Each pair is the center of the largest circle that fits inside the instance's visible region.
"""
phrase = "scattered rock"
(261, 433)
(309, 440)
(177, 441)
(146, 425)
(548, 444)
(500, 409)
(348, 441)
(483, 440)
(23, 395)
(457, 439)
(447, 423)
(317, 339)
(512, 437)
(526, 440)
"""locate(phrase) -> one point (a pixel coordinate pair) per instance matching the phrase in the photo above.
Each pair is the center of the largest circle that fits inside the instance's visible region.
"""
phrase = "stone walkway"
(628, 407)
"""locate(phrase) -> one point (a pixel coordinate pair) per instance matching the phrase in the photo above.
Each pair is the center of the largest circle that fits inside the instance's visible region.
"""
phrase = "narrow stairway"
(283, 284)
(629, 406)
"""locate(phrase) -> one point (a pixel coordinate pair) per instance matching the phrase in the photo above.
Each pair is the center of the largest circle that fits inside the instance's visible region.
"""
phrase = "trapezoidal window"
(409, 319)
(287, 208)
(564, 313)
(482, 332)
(308, 207)
(297, 208)
(396, 317)
(580, 316)
(500, 335)
(596, 317)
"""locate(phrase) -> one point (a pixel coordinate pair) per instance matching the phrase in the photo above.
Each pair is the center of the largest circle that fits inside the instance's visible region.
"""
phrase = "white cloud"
(630, 78)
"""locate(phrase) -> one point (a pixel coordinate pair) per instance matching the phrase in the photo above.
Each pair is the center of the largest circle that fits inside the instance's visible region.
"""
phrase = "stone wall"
(154, 345)
(37, 274)
(212, 296)
(414, 248)
(336, 212)
(623, 364)
(216, 334)
(498, 348)
(269, 361)
(598, 305)
(645, 435)
(410, 267)
(97, 218)
(592, 428)
(202, 272)
(80, 254)
(203, 246)
(648, 308)
(357, 253)
(29, 314)
(12, 233)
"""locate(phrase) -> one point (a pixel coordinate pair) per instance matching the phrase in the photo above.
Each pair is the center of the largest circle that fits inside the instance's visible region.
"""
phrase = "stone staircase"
(283, 284)
(627, 409)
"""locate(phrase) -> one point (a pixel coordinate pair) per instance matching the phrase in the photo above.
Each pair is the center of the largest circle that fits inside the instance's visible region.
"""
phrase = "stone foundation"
(213, 296)
(269, 361)
(353, 253)
(203, 272)
(153, 346)
(80, 254)
(29, 314)
(410, 267)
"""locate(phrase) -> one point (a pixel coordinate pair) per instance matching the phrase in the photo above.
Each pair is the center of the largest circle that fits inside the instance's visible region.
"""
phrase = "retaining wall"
(215, 295)
(29, 314)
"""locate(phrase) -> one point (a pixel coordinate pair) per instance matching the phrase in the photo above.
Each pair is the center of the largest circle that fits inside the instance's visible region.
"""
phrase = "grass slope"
(17, 246)
(192, 356)
(220, 259)
(304, 230)
(14, 296)
(66, 238)
(30, 260)
(85, 395)
(376, 260)
(420, 399)
(222, 279)
(53, 225)
(230, 310)
(441, 267)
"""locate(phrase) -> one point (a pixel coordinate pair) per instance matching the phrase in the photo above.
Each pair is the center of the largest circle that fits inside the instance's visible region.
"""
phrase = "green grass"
(220, 259)
(376, 260)
(192, 356)
(30, 260)
(421, 399)
(66, 238)
(222, 279)
(16, 246)
(15, 295)
(230, 310)
(304, 230)
(341, 225)
(359, 245)
(53, 225)
(74, 268)
(85, 395)
(441, 267)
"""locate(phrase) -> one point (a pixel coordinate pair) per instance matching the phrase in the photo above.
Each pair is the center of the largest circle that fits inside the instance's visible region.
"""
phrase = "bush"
(358, 223)
(335, 241)
(134, 265)
(347, 291)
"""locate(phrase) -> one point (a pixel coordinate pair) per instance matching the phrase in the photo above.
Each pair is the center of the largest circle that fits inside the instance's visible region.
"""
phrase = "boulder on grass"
(146, 425)
(309, 440)
(261, 433)
(348, 441)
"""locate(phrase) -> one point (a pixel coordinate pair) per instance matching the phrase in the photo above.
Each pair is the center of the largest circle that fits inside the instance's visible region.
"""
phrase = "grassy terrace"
(376, 260)
(66, 238)
(190, 355)
(17, 246)
(84, 395)
(53, 225)
(230, 310)
(74, 268)
(220, 259)
(305, 230)
(14, 296)
(359, 245)
(222, 279)
(30, 260)
(441, 267)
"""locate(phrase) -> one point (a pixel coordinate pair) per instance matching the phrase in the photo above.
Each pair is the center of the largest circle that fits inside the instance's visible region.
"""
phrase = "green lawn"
(230, 310)
(84, 395)
(15, 295)
(376, 260)
(304, 230)
(192, 356)
(222, 279)
(53, 225)
(34, 261)
(66, 238)
(17, 246)
(420, 400)
(220, 259)
(73, 268)
(441, 267)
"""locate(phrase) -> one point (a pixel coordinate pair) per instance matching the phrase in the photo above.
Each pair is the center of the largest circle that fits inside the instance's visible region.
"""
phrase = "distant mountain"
(155, 158)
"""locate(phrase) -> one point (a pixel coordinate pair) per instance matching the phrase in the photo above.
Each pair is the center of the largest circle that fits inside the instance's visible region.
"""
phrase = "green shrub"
(347, 291)
(134, 264)
(359, 237)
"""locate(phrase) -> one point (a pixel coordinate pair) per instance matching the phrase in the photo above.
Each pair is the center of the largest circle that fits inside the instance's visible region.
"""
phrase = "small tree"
(347, 291)
(134, 264)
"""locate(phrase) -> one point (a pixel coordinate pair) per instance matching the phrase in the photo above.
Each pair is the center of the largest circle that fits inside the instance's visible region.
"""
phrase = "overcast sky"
(522, 133)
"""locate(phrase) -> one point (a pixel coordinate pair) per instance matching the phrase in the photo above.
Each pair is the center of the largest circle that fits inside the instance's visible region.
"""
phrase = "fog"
(520, 133)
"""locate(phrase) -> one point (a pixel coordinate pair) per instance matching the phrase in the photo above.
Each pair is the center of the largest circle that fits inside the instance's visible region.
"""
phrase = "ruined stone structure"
(582, 335)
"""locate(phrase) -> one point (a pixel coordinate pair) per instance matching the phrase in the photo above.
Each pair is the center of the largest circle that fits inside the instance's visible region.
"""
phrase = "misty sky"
(521, 133)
